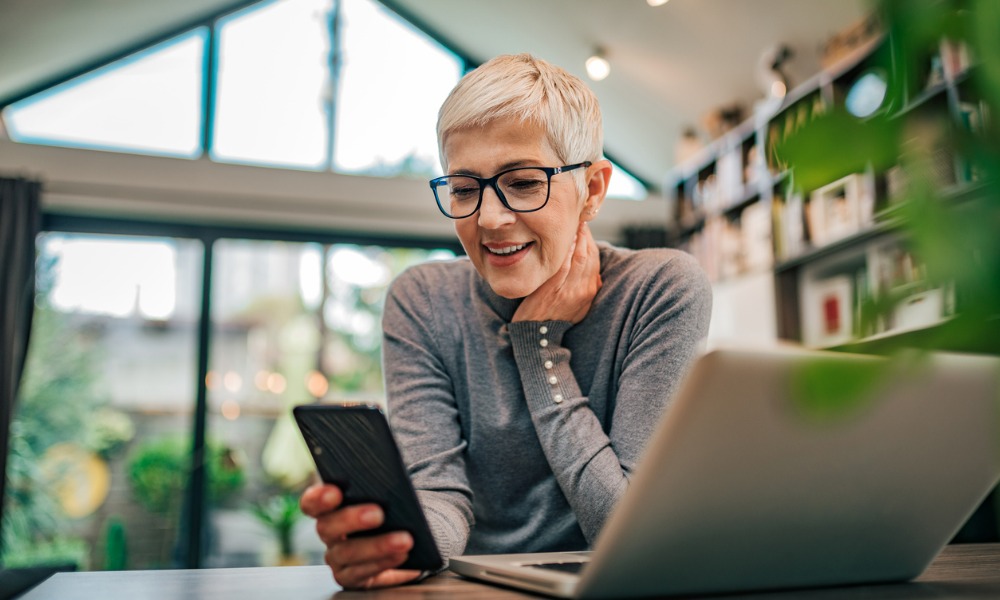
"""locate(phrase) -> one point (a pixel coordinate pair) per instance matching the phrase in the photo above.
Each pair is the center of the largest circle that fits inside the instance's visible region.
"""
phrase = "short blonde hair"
(529, 89)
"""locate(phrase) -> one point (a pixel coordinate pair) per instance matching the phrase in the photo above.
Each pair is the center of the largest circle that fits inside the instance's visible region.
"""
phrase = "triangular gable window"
(625, 185)
(150, 102)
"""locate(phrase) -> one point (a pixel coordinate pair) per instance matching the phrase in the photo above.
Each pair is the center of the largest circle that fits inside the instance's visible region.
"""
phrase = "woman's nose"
(492, 212)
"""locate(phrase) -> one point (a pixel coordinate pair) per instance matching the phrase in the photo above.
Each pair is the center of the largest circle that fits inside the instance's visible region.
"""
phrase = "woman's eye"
(463, 192)
(525, 185)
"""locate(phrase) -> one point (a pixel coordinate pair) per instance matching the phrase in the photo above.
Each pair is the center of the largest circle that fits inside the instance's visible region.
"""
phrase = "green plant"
(158, 472)
(110, 431)
(280, 513)
(57, 400)
(58, 550)
(115, 546)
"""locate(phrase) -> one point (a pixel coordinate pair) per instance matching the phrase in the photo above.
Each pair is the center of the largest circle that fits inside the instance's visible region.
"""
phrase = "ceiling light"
(656, 2)
(598, 67)
(778, 89)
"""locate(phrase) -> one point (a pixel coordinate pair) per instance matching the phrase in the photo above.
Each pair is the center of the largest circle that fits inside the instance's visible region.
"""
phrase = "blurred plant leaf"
(984, 21)
(836, 144)
(826, 391)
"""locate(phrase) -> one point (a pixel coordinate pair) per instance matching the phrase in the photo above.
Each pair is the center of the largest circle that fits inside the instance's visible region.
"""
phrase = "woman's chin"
(509, 294)
(511, 289)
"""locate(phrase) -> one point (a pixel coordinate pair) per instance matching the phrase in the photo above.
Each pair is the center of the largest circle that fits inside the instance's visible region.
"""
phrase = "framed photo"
(828, 312)
(835, 210)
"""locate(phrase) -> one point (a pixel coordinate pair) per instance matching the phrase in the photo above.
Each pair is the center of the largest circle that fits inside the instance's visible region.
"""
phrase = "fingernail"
(400, 540)
(372, 516)
(329, 497)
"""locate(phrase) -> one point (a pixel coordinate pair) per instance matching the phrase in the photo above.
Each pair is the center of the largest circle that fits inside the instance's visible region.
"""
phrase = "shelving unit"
(844, 275)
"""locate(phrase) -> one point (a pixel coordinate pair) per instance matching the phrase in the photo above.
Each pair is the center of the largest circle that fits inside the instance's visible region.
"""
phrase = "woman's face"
(515, 252)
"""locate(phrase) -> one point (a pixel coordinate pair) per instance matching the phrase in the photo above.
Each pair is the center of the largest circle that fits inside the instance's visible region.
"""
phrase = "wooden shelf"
(867, 261)
(921, 99)
(855, 239)
(750, 195)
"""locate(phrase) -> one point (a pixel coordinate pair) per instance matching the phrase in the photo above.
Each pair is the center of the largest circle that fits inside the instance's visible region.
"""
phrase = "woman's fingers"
(357, 562)
(569, 293)
(376, 576)
(339, 524)
(320, 499)
(365, 574)
(366, 562)
(367, 550)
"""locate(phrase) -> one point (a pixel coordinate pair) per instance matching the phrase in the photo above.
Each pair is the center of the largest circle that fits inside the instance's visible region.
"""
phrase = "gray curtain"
(20, 222)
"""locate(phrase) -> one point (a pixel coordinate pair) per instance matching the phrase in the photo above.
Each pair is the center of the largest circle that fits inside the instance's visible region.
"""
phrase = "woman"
(524, 380)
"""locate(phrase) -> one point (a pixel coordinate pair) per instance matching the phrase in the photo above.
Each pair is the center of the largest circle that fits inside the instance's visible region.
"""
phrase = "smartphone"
(353, 449)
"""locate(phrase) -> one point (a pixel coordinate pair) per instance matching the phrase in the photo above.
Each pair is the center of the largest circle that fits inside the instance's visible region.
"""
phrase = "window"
(389, 94)
(99, 441)
(273, 95)
(150, 102)
(292, 323)
(272, 91)
(624, 185)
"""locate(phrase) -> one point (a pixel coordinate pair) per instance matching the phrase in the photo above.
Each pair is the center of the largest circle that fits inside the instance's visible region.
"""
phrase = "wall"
(99, 183)
(743, 312)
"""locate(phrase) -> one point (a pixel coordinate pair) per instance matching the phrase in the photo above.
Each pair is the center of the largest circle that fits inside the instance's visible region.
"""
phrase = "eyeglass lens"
(524, 190)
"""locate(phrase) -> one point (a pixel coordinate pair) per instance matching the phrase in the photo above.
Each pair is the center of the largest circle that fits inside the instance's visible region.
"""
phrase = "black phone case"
(353, 449)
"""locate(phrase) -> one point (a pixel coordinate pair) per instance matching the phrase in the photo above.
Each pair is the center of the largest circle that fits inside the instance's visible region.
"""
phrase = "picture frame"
(835, 210)
(828, 312)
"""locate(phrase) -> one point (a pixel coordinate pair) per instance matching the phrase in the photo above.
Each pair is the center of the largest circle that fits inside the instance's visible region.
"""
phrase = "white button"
(543, 343)
(558, 398)
(548, 364)
(543, 330)
(553, 380)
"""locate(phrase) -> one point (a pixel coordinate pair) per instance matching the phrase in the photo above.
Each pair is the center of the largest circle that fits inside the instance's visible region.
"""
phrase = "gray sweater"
(521, 437)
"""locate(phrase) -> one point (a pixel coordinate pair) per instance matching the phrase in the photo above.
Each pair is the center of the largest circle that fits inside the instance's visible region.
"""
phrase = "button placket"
(553, 380)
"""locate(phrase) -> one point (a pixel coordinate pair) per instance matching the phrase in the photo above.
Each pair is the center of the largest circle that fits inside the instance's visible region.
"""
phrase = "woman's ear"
(597, 177)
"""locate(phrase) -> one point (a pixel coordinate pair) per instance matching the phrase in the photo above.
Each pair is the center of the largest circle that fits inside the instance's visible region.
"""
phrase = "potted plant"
(280, 513)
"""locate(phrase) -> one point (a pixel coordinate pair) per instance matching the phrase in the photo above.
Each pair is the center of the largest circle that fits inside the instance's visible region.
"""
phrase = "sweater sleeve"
(592, 467)
(423, 413)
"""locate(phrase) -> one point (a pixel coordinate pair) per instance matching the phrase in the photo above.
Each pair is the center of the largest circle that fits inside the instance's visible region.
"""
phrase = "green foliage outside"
(280, 513)
(158, 472)
(59, 402)
(115, 546)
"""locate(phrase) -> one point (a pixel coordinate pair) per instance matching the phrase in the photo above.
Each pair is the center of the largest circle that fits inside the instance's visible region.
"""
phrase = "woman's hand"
(567, 296)
(357, 563)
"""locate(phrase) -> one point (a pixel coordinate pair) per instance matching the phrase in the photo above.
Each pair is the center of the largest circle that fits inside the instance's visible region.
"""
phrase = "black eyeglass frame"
(493, 183)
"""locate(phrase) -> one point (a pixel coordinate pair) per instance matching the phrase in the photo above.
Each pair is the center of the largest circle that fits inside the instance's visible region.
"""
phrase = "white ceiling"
(670, 64)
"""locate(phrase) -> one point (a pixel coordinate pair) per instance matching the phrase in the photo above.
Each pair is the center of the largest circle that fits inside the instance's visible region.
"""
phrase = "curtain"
(20, 222)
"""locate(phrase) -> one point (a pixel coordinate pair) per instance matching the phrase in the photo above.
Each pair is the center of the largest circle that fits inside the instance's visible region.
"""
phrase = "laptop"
(788, 468)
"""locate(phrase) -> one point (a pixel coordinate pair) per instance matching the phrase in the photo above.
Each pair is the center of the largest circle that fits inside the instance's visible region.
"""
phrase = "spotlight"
(598, 66)
(656, 2)
(778, 89)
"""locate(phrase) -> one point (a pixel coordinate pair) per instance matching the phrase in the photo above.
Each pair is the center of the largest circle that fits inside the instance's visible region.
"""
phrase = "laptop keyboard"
(565, 567)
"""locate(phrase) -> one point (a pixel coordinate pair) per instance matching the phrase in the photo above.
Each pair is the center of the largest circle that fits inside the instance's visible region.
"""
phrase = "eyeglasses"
(524, 189)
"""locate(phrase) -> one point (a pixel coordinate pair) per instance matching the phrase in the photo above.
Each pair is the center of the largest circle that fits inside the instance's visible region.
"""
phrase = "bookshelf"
(844, 273)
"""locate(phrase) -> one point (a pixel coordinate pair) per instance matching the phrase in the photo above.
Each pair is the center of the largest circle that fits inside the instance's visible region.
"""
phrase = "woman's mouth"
(506, 255)
(506, 249)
